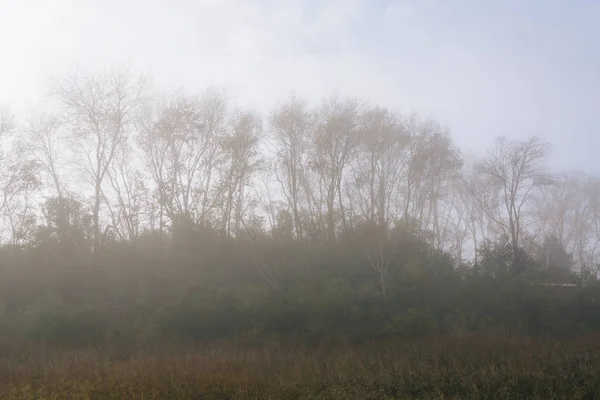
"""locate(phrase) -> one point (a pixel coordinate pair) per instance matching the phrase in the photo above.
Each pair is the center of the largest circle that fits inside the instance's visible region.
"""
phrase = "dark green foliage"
(501, 260)
(554, 260)
(67, 229)
(69, 325)
(198, 321)
(208, 287)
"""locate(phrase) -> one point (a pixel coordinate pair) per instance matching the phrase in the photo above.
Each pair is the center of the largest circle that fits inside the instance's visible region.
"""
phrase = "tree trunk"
(96, 216)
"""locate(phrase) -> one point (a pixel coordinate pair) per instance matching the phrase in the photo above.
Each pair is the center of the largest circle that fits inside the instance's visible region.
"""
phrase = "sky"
(481, 68)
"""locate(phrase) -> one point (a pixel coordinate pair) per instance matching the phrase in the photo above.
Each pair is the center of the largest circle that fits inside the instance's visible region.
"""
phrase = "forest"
(140, 220)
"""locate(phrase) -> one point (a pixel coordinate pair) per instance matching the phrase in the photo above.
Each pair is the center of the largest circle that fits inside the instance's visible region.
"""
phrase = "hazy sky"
(483, 68)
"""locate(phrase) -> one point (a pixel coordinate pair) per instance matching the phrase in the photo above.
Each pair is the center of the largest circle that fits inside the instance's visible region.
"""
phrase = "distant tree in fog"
(99, 109)
(290, 124)
(514, 171)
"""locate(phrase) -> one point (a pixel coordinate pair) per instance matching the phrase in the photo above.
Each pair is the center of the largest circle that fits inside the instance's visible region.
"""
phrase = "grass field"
(478, 367)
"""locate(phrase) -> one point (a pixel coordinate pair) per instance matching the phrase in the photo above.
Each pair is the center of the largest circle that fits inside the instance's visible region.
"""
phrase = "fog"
(344, 173)
(483, 70)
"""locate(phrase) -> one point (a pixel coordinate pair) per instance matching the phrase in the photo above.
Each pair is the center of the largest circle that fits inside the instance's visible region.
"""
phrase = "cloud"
(400, 11)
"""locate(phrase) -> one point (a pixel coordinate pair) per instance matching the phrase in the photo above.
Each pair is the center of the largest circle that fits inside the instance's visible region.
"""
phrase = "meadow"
(476, 366)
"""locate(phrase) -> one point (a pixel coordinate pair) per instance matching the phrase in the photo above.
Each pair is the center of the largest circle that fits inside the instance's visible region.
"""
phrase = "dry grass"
(450, 368)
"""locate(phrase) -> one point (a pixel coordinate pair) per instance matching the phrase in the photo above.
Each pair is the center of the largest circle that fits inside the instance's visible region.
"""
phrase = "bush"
(69, 325)
(201, 321)
(413, 323)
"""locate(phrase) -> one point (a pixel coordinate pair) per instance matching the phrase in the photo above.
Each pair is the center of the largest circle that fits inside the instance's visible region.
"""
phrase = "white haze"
(484, 69)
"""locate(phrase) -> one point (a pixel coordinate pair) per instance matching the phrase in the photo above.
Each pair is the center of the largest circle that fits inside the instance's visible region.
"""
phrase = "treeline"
(130, 212)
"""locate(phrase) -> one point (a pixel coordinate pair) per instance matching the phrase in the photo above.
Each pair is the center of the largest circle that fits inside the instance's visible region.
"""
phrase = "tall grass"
(475, 367)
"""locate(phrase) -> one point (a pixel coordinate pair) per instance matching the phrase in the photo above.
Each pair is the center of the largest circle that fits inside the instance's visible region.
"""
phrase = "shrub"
(202, 321)
(413, 323)
(70, 325)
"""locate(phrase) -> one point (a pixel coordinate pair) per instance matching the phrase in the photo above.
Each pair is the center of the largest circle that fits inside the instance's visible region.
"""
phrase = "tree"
(283, 227)
(18, 189)
(481, 202)
(68, 227)
(440, 163)
(181, 137)
(554, 258)
(334, 142)
(500, 259)
(373, 241)
(459, 222)
(43, 141)
(241, 162)
(563, 212)
(129, 190)
(379, 165)
(432, 162)
(18, 181)
(290, 125)
(514, 171)
(7, 120)
(100, 110)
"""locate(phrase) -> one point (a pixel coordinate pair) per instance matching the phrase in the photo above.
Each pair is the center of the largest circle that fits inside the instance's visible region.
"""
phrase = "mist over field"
(299, 199)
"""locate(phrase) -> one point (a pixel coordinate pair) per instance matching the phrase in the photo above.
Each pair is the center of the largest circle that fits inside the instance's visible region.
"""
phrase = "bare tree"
(515, 171)
(181, 137)
(379, 165)
(153, 141)
(242, 161)
(18, 181)
(18, 205)
(458, 221)
(334, 142)
(432, 161)
(128, 190)
(437, 162)
(481, 203)
(43, 141)
(585, 216)
(290, 127)
(7, 120)
(373, 242)
(563, 209)
(100, 109)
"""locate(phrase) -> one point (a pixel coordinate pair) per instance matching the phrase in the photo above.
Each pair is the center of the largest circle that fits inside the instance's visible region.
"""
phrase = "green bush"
(69, 325)
(413, 323)
(202, 321)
